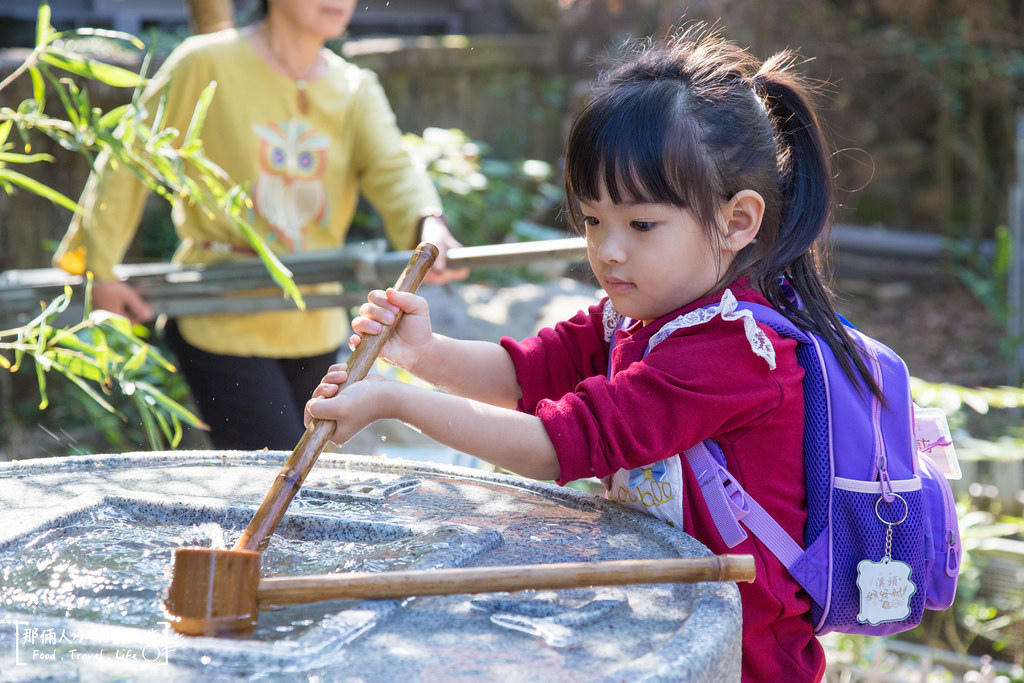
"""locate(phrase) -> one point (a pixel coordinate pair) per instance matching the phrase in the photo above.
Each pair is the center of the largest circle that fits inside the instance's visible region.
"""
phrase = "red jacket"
(700, 382)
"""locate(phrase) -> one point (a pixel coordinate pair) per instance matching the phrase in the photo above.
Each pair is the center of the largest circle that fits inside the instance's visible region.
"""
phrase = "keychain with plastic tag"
(885, 586)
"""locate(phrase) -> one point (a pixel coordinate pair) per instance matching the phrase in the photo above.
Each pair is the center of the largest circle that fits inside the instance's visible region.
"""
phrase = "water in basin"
(111, 563)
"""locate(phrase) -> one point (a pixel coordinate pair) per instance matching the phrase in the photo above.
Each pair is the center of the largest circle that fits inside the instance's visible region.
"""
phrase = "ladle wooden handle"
(299, 590)
(313, 441)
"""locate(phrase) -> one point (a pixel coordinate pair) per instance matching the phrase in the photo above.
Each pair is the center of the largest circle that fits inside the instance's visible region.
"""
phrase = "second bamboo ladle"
(219, 592)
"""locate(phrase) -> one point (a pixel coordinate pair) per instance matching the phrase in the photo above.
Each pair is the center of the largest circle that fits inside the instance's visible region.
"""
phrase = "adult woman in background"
(308, 131)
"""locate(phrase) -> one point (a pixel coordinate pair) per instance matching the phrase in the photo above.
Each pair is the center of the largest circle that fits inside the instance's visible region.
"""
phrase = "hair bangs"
(636, 144)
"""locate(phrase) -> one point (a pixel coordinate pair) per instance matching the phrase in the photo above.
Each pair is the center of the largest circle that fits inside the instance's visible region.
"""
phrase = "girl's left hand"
(360, 404)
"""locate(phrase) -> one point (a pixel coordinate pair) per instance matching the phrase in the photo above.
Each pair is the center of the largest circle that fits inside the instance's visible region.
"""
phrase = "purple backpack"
(882, 542)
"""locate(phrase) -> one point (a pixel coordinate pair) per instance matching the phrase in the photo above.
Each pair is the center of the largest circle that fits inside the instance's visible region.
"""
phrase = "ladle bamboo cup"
(214, 591)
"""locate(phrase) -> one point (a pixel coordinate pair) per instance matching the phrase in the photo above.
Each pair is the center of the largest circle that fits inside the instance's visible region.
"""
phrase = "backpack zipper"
(952, 563)
(881, 458)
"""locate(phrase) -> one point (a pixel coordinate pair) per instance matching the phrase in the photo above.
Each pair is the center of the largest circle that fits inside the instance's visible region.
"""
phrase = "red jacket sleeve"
(555, 361)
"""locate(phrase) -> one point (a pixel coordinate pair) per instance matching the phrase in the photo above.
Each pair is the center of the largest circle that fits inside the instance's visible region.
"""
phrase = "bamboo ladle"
(237, 593)
(219, 592)
(210, 589)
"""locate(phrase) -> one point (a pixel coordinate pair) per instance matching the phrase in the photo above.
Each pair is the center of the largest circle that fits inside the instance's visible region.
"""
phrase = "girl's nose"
(610, 249)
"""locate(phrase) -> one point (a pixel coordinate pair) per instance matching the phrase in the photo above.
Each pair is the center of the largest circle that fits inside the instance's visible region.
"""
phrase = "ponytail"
(790, 276)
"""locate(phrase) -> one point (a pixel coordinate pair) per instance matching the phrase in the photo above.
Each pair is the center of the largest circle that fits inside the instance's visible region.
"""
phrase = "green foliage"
(172, 164)
(983, 614)
(946, 84)
(985, 274)
(539, 104)
(102, 356)
(952, 397)
(483, 197)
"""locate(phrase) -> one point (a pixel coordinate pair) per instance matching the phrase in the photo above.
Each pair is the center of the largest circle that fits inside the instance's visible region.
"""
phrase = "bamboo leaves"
(100, 356)
(103, 356)
(172, 164)
(91, 68)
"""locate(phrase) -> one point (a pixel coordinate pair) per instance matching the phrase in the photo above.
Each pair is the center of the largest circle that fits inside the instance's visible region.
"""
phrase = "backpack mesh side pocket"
(861, 535)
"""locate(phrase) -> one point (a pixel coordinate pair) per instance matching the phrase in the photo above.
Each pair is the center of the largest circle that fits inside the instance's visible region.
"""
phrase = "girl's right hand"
(410, 340)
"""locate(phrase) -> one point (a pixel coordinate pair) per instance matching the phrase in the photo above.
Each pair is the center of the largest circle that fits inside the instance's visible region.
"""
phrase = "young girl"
(701, 179)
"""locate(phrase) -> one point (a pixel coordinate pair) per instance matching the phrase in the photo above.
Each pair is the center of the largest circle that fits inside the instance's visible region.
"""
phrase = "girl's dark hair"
(692, 121)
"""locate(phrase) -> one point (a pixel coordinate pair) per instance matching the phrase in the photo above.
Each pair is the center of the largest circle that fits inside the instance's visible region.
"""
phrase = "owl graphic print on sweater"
(289, 192)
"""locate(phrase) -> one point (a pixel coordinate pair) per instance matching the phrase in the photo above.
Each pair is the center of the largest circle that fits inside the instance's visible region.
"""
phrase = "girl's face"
(325, 19)
(651, 259)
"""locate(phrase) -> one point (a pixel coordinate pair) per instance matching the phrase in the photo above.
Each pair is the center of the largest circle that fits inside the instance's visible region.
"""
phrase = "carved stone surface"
(85, 557)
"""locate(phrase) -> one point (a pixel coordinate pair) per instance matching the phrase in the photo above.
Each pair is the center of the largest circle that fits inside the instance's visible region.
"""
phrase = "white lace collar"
(612, 320)
(726, 308)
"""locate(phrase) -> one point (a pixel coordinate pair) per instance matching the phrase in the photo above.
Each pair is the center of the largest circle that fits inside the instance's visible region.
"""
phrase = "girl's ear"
(742, 219)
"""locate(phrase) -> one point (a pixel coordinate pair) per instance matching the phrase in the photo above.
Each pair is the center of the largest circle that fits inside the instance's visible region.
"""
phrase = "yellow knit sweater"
(305, 173)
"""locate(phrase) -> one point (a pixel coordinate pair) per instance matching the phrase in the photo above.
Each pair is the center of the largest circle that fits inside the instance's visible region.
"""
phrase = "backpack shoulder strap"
(766, 315)
(729, 503)
(726, 500)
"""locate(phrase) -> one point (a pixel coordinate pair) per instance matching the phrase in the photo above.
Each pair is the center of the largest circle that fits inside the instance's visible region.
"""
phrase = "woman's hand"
(122, 299)
(435, 230)
(410, 342)
(360, 404)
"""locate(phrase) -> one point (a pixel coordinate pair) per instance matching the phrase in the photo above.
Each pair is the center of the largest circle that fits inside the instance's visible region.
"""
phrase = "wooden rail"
(177, 290)
(228, 286)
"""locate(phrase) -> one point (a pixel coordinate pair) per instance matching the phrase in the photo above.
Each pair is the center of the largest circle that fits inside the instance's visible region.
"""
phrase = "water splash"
(214, 533)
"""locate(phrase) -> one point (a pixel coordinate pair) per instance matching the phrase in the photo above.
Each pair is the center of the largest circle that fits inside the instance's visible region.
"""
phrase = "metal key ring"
(906, 510)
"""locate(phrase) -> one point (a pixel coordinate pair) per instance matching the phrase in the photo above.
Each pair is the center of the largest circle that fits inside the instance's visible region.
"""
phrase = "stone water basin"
(86, 546)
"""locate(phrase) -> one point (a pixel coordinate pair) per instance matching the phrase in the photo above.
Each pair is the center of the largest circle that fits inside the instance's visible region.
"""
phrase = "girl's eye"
(643, 226)
(590, 220)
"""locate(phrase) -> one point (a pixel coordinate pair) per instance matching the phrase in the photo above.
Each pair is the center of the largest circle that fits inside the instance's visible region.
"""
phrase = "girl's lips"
(616, 284)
